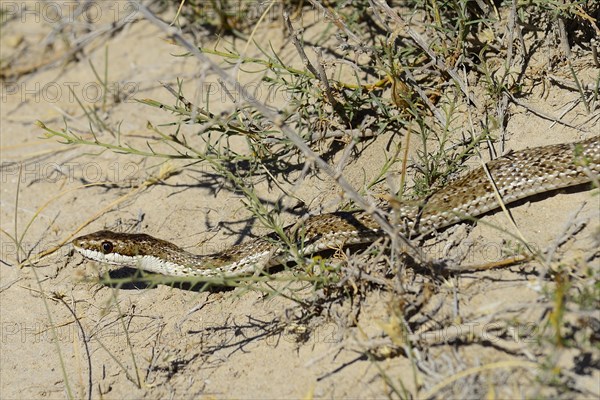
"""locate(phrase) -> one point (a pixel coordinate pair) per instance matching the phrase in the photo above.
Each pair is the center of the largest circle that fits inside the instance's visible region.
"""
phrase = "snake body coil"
(515, 176)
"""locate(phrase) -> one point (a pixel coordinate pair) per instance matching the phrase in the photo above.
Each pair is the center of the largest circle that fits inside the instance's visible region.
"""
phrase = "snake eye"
(107, 247)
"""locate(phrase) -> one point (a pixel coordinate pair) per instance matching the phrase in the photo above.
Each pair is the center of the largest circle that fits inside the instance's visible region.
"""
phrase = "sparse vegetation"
(433, 82)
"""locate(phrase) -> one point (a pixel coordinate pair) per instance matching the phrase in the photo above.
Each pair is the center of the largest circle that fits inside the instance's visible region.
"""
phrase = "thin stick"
(279, 121)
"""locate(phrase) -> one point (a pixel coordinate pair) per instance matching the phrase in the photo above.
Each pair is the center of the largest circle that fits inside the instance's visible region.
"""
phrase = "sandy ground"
(166, 342)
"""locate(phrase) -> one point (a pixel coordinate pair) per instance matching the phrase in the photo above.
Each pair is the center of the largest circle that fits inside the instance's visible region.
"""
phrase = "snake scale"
(515, 176)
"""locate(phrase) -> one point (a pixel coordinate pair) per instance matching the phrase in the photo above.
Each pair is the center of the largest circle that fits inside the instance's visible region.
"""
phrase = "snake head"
(113, 247)
(139, 251)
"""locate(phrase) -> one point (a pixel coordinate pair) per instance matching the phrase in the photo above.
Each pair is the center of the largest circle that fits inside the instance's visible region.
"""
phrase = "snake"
(515, 176)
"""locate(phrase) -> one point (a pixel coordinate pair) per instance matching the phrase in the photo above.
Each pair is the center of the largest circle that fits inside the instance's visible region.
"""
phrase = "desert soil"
(66, 334)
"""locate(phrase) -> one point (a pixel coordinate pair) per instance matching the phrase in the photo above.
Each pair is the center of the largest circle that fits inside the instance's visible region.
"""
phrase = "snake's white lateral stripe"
(517, 176)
